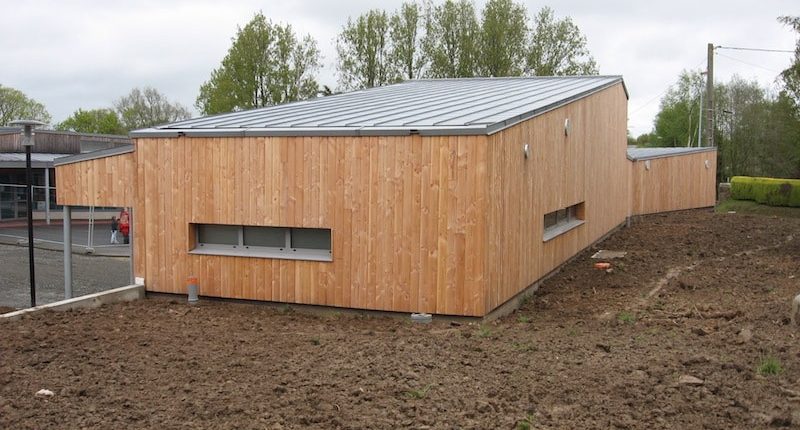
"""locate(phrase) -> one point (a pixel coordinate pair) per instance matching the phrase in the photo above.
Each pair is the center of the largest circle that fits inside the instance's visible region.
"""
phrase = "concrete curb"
(122, 294)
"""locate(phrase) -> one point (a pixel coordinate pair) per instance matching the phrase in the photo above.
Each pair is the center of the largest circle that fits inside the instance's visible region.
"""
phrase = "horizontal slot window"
(265, 242)
(562, 220)
(219, 234)
(271, 237)
(311, 238)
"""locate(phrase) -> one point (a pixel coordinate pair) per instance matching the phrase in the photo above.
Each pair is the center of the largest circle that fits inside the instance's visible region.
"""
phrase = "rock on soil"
(690, 380)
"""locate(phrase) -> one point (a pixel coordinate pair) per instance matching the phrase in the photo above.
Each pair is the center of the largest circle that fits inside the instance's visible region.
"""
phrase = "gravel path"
(90, 274)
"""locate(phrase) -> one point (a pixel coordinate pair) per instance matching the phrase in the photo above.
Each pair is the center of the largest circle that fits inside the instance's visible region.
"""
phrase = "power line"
(661, 93)
(749, 64)
(754, 49)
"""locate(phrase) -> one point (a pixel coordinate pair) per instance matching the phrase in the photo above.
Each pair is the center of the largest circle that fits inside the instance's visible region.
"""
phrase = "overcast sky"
(86, 54)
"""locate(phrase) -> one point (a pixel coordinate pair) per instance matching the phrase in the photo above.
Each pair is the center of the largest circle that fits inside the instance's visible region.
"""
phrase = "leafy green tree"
(782, 158)
(146, 107)
(676, 123)
(558, 47)
(102, 121)
(266, 65)
(757, 132)
(741, 111)
(791, 76)
(451, 42)
(364, 52)
(405, 33)
(504, 32)
(645, 140)
(15, 105)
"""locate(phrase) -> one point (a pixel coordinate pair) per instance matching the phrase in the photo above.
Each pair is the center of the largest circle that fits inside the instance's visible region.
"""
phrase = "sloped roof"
(637, 154)
(94, 155)
(426, 106)
(38, 160)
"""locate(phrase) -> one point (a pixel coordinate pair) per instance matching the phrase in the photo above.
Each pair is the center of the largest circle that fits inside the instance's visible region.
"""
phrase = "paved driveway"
(90, 274)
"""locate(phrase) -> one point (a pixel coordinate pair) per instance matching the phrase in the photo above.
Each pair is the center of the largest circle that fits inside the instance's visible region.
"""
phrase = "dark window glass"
(218, 234)
(274, 237)
(311, 238)
(562, 216)
(550, 220)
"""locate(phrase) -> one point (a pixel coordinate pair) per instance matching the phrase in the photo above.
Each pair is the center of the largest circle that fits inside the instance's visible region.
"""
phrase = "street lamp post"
(27, 142)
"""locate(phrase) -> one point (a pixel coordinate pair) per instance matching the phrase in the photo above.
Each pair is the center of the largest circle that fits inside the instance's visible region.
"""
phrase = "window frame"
(567, 219)
(287, 252)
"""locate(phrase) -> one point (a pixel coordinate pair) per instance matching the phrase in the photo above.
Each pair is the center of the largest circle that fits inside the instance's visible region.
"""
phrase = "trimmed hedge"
(767, 191)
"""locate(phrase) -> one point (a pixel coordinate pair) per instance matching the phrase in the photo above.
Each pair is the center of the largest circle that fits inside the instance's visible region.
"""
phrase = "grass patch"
(523, 347)
(525, 423)
(753, 208)
(626, 317)
(484, 331)
(523, 319)
(769, 366)
(418, 394)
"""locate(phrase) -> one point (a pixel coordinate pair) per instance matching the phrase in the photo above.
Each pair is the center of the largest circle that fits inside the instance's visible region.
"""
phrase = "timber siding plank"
(674, 183)
(405, 214)
(556, 176)
(108, 181)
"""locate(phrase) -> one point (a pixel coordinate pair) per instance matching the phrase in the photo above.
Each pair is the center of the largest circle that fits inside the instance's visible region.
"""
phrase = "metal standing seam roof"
(93, 155)
(471, 106)
(637, 154)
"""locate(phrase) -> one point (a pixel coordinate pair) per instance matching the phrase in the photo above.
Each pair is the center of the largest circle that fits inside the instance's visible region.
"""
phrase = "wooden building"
(49, 145)
(436, 196)
(669, 179)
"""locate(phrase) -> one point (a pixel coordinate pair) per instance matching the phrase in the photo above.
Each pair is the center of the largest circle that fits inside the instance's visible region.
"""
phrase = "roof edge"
(94, 155)
(476, 130)
(500, 126)
(687, 151)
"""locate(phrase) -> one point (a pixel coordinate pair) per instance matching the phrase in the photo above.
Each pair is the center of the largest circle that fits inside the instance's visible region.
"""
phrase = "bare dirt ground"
(699, 295)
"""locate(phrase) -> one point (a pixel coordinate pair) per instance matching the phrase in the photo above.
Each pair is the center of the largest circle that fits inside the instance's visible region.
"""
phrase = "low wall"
(675, 182)
(123, 294)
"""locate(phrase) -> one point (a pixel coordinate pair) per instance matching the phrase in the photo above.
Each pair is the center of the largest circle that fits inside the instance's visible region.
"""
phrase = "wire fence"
(13, 204)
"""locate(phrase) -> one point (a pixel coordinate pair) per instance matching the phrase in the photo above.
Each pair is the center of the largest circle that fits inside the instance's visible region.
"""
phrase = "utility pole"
(710, 96)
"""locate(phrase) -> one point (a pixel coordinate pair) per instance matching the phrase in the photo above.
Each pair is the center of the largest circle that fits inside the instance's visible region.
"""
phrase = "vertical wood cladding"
(587, 165)
(674, 183)
(438, 224)
(405, 214)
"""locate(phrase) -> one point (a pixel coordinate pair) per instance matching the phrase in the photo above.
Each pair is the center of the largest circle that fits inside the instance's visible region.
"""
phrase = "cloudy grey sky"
(86, 54)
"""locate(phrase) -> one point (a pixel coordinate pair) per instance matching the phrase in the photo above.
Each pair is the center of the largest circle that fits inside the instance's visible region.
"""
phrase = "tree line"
(140, 108)
(269, 64)
(756, 130)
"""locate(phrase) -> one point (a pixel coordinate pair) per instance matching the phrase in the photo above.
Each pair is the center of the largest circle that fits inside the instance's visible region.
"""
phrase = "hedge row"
(767, 191)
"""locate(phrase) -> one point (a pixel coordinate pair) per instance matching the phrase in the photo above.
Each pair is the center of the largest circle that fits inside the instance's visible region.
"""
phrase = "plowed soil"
(698, 295)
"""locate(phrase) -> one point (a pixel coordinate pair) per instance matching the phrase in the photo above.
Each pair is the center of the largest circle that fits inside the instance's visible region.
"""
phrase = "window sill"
(558, 230)
(303, 255)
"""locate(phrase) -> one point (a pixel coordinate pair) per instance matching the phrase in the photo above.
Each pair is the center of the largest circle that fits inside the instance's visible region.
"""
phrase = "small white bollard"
(191, 289)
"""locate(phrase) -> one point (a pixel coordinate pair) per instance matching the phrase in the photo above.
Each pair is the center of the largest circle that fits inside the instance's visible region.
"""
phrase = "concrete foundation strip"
(122, 294)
